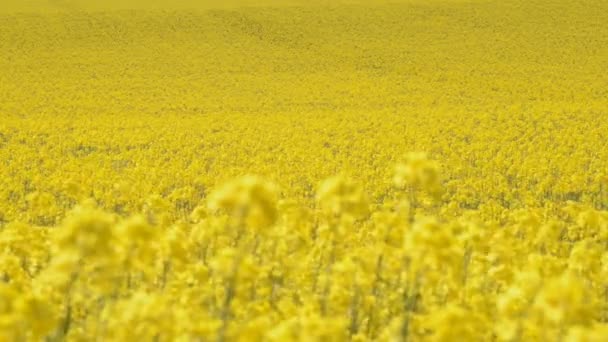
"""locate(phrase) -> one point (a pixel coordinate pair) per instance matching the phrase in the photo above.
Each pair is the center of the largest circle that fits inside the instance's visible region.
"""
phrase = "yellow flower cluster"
(212, 170)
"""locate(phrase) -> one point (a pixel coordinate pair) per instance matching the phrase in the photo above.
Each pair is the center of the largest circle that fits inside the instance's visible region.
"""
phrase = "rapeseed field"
(354, 170)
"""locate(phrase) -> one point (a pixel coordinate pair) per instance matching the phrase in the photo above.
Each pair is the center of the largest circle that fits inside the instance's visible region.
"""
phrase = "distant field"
(8, 6)
(304, 170)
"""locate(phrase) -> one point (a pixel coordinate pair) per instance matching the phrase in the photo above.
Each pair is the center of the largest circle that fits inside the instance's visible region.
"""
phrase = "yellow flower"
(418, 172)
(88, 231)
(249, 199)
(340, 195)
(564, 300)
(136, 228)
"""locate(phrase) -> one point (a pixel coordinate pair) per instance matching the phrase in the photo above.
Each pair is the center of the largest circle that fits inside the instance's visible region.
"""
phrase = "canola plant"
(304, 170)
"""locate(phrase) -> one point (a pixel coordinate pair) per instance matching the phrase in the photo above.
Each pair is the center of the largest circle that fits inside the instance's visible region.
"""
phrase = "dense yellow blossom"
(303, 170)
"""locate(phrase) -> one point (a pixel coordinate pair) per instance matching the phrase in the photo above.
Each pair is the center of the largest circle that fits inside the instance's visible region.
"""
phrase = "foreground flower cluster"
(247, 265)
(353, 171)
